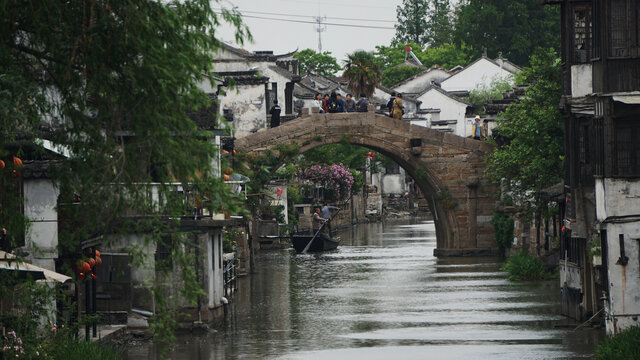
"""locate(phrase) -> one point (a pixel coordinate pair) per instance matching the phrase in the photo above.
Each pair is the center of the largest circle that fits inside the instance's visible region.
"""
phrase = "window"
(228, 114)
(392, 168)
(599, 147)
(572, 249)
(164, 248)
(624, 28)
(627, 148)
(581, 33)
(583, 144)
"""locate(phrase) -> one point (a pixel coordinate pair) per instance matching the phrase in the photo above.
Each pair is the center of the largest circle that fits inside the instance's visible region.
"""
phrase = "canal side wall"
(125, 285)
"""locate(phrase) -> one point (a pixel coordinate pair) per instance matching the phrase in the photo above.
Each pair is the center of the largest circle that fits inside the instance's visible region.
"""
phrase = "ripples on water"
(383, 295)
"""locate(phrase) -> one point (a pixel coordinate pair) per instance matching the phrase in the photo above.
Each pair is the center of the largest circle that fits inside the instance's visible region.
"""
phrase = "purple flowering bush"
(336, 178)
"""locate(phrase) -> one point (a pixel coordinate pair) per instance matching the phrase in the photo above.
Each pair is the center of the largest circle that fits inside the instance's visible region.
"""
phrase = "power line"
(315, 22)
(313, 17)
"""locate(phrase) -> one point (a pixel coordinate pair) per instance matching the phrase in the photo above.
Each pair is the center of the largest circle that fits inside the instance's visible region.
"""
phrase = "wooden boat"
(322, 242)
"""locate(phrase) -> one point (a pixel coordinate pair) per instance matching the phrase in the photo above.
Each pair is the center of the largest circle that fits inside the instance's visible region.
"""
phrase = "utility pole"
(320, 29)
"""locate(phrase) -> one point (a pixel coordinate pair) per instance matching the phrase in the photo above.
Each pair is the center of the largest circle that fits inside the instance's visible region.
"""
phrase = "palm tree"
(363, 72)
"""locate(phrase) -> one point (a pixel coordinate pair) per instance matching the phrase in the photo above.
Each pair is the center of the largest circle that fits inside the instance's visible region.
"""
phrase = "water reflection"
(383, 295)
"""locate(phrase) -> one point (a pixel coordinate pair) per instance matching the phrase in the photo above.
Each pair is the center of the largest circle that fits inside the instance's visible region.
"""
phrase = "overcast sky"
(281, 36)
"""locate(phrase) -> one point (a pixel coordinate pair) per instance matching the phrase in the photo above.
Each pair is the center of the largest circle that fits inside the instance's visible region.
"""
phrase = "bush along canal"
(384, 295)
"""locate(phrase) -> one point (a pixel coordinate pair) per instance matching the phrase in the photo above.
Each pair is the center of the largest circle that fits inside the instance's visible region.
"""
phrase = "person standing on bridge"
(350, 104)
(485, 129)
(326, 214)
(398, 107)
(275, 114)
(325, 103)
(317, 102)
(363, 103)
(476, 131)
(339, 103)
(392, 99)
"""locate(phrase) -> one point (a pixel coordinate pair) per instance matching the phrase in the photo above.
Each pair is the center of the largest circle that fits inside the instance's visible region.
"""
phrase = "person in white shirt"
(317, 102)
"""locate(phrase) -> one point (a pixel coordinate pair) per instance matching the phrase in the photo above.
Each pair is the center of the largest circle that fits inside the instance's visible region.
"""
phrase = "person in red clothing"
(325, 103)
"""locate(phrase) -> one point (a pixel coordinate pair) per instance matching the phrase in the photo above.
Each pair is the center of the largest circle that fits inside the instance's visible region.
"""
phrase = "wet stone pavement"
(383, 295)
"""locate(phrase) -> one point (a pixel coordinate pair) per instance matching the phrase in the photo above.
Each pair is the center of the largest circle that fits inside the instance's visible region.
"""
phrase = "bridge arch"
(447, 168)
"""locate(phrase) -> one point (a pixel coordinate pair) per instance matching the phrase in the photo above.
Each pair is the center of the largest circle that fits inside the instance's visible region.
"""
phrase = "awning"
(8, 262)
(627, 99)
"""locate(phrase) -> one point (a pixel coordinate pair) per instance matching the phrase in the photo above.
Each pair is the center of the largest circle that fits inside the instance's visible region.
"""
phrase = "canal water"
(383, 295)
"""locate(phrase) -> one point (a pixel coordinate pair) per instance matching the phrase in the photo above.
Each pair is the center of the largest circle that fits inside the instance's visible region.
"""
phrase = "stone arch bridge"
(447, 168)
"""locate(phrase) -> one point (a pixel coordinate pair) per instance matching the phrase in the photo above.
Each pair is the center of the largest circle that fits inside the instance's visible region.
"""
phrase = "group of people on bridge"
(334, 104)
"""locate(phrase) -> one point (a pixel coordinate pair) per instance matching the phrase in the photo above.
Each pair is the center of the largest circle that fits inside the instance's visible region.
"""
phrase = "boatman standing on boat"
(318, 220)
(326, 214)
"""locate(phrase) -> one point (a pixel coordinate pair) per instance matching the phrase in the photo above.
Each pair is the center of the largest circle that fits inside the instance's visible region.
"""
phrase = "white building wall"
(420, 83)
(617, 200)
(394, 183)
(450, 109)
(215, 267)
(617, 197)
(477, 75)
(581, 80)
(624, 286)
(40, 201)
(249, 108)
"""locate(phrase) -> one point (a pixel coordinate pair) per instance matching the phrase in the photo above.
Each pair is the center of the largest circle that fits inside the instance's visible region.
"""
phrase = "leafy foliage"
(445, 55)
(526, 267)
(622, 346)
(515, 27)
(494, 91)
(440, 23)
(396, 74)
(412, 22)
(533, 159)
(363, 72)
(112, 84)
(503, 226)
(352, 156)
(322, 63)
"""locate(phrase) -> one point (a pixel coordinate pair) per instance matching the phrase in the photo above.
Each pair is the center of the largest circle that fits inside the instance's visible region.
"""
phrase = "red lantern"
(98, 261)
(2, 164)
(92, 262)
(17, 162)
(86, 267)
(226, 177)
(98, 253)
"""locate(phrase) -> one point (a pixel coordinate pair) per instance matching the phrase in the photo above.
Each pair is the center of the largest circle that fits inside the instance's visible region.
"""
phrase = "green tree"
(111, 83)
(362, 70)
(396, 74)
(494, 91)
(533, 159)
(440, 24)
(412, 22)
(323, 64)
(446, 55)
(515, 27)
